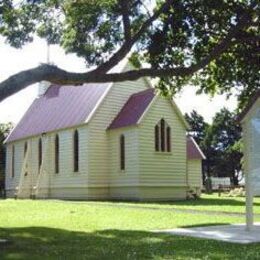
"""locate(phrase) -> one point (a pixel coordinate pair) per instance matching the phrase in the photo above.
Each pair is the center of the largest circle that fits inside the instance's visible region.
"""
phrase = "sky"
(13, 61)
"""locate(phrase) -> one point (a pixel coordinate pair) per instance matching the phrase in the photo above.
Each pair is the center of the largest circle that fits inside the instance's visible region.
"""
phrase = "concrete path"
(228, 233)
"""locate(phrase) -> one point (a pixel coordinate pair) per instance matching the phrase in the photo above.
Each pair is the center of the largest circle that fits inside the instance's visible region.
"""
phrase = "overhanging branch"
(128, 44)
(56, 75)
(126, 19)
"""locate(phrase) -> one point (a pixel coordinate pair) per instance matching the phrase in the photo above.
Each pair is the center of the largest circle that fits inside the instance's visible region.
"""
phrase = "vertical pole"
(48, 53)
(249, 202)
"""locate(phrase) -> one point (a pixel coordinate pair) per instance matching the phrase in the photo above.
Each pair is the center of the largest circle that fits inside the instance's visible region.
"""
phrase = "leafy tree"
(4, 130)
(198, 130)
(211, 44)
(198, 126)
(220, 142)
(224, 139)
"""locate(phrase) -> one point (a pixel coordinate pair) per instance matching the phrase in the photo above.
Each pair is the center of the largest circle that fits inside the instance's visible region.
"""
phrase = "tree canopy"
(225, 137)
(221, 143)
(213, 45)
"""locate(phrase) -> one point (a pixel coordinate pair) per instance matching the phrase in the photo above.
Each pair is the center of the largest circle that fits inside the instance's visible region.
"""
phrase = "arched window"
(168, 138)
(162, 137)
(156, 138)
(13, 162)
(122, 152)
(39, 154)
(24, 154)
(25, 149)
(57, 148)
(76, 150)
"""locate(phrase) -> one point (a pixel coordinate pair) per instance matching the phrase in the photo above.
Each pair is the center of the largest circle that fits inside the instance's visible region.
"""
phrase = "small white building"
(102, 141)
(250, 121)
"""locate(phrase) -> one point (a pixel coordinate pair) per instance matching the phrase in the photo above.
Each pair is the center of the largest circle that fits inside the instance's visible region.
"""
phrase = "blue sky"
(13, 60)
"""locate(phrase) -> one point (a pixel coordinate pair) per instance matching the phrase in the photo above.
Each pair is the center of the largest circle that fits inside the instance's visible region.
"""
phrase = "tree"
(224, 136)
(4, 130)
(198, 126)
(220, 142)
(198, 130)
(211, 44)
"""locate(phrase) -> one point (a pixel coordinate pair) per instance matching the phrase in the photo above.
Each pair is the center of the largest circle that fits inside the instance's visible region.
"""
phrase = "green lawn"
(88, 230)
(207, 203)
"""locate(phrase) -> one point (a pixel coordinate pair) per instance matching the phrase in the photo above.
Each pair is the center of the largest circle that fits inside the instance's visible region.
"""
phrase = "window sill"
(163, 153)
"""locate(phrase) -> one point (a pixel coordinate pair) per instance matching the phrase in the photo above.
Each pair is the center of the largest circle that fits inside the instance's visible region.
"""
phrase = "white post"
(48, 53)
(249, 202)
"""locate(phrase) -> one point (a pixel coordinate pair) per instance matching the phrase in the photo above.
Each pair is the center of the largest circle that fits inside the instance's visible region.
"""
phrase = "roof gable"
(136, 107)
(193, 150)
(60, 107)
(133, 109)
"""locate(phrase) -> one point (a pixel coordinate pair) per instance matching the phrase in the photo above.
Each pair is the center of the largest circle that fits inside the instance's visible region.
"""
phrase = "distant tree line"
(4, 131)
(221, 143)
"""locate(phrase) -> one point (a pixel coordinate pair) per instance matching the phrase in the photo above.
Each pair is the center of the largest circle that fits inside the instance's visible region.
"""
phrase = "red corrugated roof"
(60, 107)
(193, 150)
(133, 109)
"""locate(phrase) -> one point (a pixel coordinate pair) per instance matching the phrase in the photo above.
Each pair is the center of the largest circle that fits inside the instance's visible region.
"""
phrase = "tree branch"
(127, 46)
(126, 20)
(56, 75)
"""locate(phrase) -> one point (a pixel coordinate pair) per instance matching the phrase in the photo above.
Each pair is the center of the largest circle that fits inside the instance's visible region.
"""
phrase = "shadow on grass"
(204, 225)
(50, 243)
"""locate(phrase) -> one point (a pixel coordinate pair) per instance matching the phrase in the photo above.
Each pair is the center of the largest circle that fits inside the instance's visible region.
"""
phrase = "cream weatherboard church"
(102, 141)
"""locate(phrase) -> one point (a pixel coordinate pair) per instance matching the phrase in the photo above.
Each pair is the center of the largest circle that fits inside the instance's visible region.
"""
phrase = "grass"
(206, 203)
(88, 230)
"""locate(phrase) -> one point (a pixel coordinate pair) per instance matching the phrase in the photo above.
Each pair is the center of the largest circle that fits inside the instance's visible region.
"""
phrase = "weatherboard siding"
(249, 158)
(158, 168)
(194, 169)
(99, 164)
(124, 183)
(147, 175)
(55, 183)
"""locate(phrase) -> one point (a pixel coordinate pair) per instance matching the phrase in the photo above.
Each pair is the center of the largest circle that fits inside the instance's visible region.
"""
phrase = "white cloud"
(13, 60)
(203, 104)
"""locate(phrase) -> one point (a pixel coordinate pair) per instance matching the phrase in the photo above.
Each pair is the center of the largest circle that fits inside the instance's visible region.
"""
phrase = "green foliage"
(220, 142)
(183, 34)
(198, 126)
(225, 135)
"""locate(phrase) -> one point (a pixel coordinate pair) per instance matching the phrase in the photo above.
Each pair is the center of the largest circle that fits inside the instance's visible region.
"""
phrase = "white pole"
(249, 202)
(48, 53)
